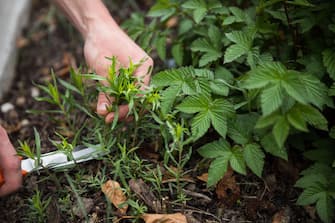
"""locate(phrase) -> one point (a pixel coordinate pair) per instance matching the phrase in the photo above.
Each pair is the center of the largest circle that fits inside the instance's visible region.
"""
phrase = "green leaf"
(314, 117)
(194, 104)
(199, 9)
(310, 195)
(266, 121)
(168, 97)
(219, 122)
(161, 47)
(254, 158)
(212, 53)
(310, 180)
(219, 87)
(209, 57)
(280, 131)
(240, 15)
(178, 53)
(214, 35)
(295, 118)
(237, 161)
(233, 52)
(200, 124)
(199, 14)
(271, 99)
(329, 62)
(241, 128)
(270, 146)
(217, 170)
(240, 38)
(215, 149)
(325, 207)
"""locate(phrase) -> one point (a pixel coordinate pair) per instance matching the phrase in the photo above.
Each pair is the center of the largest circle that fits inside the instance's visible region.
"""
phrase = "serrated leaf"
(310, 195)
(194, 4)
(240, 38)
(329, 62)
(254, 158)
(193, 104)
(294, 117)
(233, 52)
(310, 180)
(238, 14)
(269, 144)
(280, 131)
(241, 128)
(325, 207)
(215, 149)
(209, 57)
(199, 14)
(219, 122)
(168, 97)
(266, 121)
(271, 99)
(217, 169)
(314, 117)
(200, 124)
(237, 162)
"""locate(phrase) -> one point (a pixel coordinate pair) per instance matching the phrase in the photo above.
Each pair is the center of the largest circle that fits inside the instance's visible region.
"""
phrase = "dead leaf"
(164, 218)
(227, 190)
(115, 195)
(203, 177)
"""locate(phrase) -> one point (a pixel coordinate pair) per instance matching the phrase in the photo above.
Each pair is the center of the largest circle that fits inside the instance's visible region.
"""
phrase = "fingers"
(123, 111)
(103, 104)
(12, 174)
(10, 165)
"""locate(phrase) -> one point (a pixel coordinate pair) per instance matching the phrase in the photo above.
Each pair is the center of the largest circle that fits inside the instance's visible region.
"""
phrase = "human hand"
(10, 165)
(107, 40)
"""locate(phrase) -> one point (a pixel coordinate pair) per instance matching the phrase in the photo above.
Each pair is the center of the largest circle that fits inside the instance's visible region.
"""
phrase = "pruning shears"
(59, 160)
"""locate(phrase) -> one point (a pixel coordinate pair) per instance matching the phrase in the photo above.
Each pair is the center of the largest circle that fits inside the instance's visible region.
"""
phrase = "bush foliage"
(260, 73)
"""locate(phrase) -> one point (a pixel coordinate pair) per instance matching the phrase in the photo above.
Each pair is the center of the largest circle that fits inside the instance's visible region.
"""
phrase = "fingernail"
(102, 107)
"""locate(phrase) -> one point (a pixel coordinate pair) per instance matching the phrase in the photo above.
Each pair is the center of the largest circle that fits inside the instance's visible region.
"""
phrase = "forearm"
(85, 14)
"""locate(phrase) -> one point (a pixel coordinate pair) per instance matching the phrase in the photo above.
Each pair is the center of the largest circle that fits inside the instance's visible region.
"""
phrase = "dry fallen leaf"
(203, 177)
(115, 195)
(164, 218)
(227, 190)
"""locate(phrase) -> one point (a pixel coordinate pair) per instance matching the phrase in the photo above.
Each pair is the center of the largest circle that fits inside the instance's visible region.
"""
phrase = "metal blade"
(58, 159)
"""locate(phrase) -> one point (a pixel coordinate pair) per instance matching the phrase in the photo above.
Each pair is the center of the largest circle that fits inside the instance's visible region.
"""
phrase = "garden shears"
(59, 160)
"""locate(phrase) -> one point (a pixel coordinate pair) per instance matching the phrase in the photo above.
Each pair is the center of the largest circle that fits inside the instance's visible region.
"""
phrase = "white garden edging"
(13, 17)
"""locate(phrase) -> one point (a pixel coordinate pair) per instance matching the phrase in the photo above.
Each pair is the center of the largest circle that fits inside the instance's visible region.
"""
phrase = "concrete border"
(14, 16)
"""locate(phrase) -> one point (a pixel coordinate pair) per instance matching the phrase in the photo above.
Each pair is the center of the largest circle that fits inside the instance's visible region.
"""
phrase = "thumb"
(103, 103)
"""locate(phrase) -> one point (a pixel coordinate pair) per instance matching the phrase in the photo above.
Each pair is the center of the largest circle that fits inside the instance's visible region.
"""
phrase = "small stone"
(35, 92)
(88, 206)
(24, 122)
(20, 101)
(7, 107)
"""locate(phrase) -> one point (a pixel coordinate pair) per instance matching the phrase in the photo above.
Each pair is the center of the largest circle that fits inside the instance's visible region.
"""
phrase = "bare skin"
(103, 38)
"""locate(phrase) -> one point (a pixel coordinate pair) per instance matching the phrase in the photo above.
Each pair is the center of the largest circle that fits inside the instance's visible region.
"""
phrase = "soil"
(50, 43)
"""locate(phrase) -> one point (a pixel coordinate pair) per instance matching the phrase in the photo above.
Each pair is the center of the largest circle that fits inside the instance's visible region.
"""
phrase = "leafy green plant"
(247, 76)
(265, 76)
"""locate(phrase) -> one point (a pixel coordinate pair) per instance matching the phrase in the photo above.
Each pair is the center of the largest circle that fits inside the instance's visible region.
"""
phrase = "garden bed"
(50, 43)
